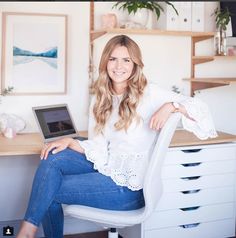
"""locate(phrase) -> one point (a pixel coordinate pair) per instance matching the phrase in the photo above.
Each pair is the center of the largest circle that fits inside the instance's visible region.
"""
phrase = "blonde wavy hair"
(102, 87)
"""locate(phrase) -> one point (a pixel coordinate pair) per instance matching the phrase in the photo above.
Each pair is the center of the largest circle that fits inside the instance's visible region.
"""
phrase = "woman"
(107, 170)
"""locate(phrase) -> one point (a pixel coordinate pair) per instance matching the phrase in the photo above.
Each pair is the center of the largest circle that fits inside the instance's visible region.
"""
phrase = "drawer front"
(198, 169)
(198, 182)
(200, 155)
(190, 215)
(216, 229)
(199, 197)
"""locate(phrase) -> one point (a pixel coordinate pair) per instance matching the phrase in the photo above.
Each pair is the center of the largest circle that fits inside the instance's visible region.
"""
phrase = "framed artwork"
(34, 53)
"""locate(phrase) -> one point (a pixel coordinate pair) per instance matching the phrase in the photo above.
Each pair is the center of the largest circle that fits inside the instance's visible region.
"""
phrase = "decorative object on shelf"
(109, 21)
(6, 91)
(139, 19)
(175, 89)
(231, 51)
(34, 55)
(11, 124)
(222, 19)
(138, 11)
(220, 43)
(231, 46)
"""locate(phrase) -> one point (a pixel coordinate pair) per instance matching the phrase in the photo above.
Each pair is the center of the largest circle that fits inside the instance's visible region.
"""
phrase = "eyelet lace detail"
(124, 169)
(203, 126)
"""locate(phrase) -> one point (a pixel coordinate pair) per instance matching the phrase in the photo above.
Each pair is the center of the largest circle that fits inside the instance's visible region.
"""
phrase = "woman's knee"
(49, 162)
(54, 157)
(56, 160)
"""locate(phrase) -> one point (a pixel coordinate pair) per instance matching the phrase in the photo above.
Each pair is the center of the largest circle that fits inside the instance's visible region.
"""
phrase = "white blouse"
(124, 155)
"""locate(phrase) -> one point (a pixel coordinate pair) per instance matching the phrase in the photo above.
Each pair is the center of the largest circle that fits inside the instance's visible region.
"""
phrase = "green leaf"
(171, 4)
(134, 5)
(222, 18)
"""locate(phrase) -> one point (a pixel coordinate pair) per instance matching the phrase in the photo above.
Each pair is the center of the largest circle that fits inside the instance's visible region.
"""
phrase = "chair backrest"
(153, 183)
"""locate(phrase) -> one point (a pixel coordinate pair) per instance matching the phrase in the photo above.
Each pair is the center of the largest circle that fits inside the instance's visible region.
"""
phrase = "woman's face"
(120, 67)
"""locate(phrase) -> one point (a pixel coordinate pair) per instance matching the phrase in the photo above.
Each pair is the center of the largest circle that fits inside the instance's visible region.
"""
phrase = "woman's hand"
(160, 117)
(59, 145)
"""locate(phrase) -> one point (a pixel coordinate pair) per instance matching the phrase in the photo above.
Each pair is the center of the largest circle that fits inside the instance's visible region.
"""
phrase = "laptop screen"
(54, 121)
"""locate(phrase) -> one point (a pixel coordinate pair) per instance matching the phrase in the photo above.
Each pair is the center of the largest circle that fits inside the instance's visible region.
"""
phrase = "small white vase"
(140, 17)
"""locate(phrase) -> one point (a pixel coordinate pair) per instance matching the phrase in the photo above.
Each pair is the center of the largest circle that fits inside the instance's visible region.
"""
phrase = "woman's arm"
(160, 117)
(196, 116)
(59, 145)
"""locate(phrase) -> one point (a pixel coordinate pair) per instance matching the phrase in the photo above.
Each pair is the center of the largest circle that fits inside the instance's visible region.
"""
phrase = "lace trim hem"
(120, 178)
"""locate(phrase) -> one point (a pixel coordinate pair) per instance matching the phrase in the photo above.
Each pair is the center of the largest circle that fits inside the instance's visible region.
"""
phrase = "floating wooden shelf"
(204, 83)
(201, 59)
(97, 33)
(200, 37)
(204, 59)
(220, 80)
(225, 57)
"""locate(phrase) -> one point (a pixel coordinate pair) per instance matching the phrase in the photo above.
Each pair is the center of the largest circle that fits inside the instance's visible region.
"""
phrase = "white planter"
(140, 17)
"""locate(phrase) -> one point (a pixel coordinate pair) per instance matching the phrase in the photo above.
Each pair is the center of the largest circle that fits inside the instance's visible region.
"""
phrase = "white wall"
(167, 62)
(77, 65)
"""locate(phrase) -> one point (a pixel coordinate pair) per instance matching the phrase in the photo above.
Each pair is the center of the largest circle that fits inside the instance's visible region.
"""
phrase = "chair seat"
(109, 218)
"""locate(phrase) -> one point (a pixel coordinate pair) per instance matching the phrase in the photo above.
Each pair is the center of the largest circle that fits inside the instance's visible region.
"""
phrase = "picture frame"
(34, 53)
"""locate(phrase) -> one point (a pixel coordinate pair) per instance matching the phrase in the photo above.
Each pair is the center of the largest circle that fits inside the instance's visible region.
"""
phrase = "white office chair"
(152, 189)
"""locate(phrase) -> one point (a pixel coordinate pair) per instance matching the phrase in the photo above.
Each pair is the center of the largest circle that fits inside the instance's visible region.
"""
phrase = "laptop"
(55, 122)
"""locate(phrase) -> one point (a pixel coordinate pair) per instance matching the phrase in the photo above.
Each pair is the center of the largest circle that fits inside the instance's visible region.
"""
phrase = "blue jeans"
(69, 178)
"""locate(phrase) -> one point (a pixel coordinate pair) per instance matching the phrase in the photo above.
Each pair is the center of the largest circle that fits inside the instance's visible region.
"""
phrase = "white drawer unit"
(196, 197)
(215, 229)
(198, 169)
(198, 200)
(189, 215)
(199, 154)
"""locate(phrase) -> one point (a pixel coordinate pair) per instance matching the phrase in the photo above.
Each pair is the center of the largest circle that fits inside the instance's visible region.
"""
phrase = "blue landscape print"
(21, 56)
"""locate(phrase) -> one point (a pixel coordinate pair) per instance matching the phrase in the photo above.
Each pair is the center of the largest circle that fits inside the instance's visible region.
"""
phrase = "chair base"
(113, 233)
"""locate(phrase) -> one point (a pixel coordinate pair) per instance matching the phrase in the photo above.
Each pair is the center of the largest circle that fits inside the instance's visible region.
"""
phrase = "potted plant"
(222, 19)
(134, 7)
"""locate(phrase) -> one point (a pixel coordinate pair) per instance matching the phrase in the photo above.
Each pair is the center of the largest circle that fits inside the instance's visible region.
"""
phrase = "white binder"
(198, 9)
(172, 19)
(185, 16)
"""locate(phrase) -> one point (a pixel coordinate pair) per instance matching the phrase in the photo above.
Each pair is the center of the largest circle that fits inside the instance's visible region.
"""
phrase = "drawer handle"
(191, 191)
(191, 151)
(185, 209)
(191, 178)
(191, 164)
(190, 225)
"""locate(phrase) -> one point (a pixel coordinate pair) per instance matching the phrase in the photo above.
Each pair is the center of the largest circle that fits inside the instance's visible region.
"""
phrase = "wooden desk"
(24, 144)
(31, 143)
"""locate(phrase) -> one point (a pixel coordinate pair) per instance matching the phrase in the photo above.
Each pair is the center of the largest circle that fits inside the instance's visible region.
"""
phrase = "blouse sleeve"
(95, 148)
(202, 125)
